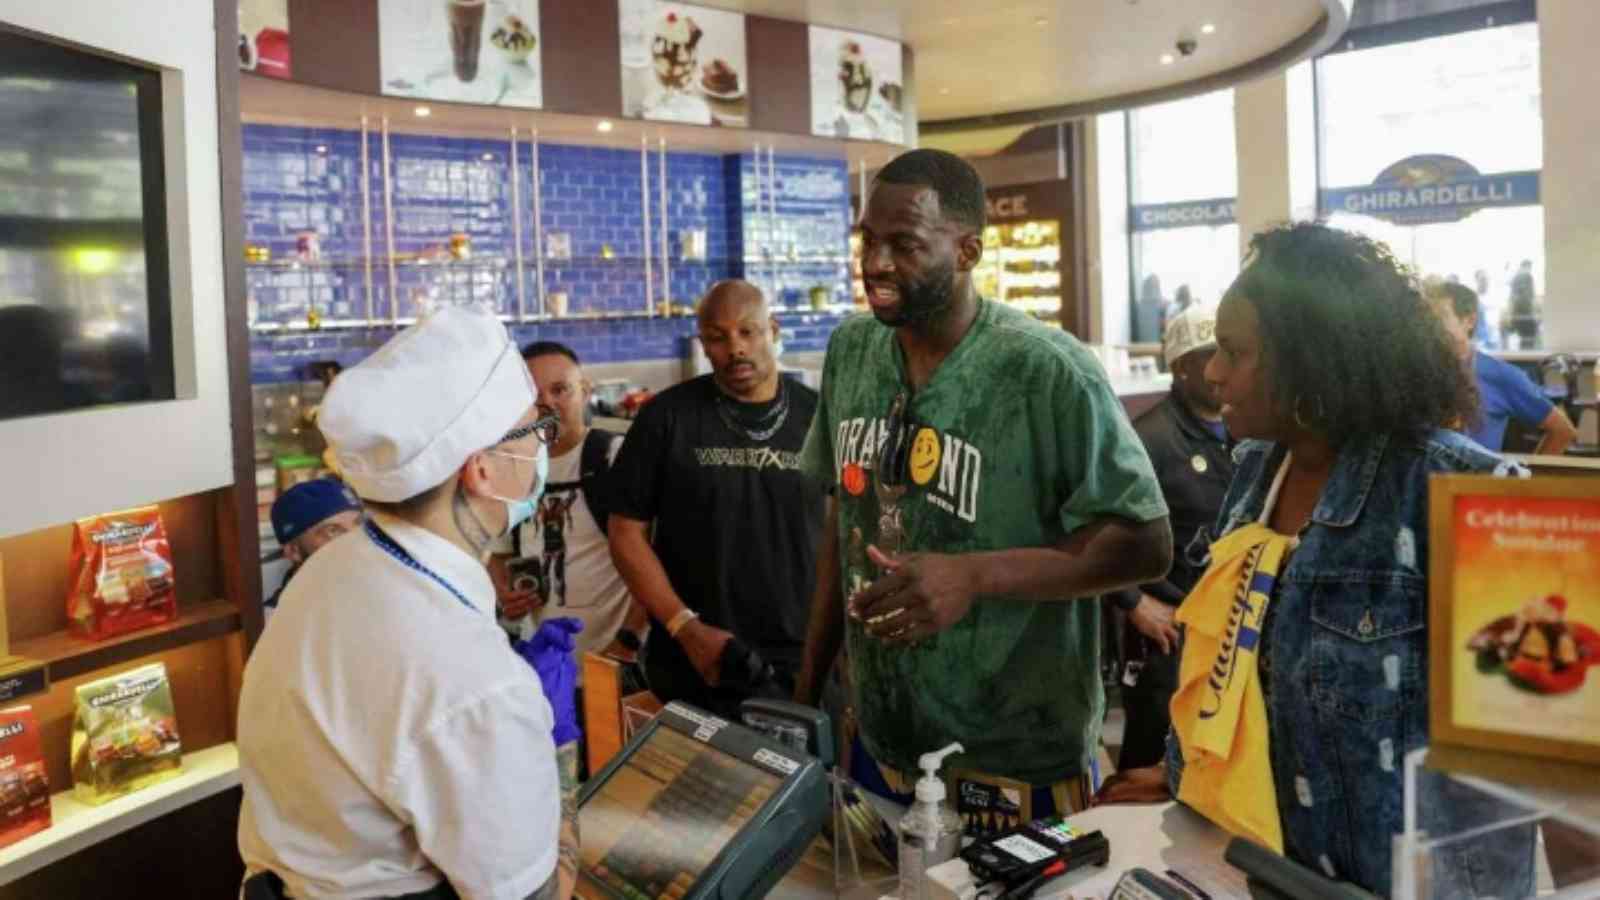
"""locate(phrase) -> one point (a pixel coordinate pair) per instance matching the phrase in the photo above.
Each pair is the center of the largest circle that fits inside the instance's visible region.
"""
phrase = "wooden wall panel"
(190, 853)
(335, 44)
(237, 540)
(779, 55)
(582, 49)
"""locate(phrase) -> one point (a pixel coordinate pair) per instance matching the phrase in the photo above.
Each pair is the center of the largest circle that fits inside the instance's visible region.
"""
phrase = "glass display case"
(1022, 266)
(1566, 815)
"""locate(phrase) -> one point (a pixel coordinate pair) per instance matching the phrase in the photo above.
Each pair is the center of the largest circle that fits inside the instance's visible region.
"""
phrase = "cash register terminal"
(697, 808)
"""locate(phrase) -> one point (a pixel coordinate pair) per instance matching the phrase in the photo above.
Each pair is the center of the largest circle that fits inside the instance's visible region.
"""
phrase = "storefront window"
(1434, 146)
(1182, 180)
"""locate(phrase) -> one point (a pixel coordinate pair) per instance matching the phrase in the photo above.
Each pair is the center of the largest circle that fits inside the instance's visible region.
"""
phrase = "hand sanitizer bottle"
(930, 832)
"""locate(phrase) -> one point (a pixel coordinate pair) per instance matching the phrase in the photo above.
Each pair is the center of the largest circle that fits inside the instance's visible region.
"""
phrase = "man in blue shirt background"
(1505, 392)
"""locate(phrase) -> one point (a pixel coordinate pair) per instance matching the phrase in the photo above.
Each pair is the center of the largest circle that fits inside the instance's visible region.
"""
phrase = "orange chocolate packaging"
(122, 576)
(24, 787)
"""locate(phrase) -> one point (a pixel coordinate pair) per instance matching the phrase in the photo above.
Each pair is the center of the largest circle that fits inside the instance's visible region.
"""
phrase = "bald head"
(738, 333)
(731, 294)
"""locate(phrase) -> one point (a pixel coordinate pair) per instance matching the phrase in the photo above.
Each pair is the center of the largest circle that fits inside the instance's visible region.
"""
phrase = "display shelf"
(76, 826)
(290, 264)
(66, 655)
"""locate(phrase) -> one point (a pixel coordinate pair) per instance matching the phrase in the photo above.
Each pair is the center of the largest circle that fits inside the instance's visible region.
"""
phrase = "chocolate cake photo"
(718, 79)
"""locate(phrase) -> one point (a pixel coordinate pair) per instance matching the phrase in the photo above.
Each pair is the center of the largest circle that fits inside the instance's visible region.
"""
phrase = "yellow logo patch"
(925, 451)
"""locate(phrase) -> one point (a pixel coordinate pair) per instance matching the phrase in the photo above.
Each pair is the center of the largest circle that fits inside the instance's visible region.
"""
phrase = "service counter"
(1159, 837)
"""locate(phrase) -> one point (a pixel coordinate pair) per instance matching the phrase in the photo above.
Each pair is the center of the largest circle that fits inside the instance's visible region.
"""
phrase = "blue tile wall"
(803, 228)
(305, 179)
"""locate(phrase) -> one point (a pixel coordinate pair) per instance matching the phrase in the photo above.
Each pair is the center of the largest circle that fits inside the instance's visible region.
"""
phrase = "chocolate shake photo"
(465, 21)
(462, 51)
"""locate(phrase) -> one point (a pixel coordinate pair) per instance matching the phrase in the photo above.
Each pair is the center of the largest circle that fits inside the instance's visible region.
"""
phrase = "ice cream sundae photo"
(514, 39)
(673, 50)
(1538, 649)
(855, 77)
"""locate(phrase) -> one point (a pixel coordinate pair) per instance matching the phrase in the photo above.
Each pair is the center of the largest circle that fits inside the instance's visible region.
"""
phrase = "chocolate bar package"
(125, 734)
(24, 787)
(122, 577)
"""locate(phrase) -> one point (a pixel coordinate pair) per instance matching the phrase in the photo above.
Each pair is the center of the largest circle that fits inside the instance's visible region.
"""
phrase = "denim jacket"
(1344, 667)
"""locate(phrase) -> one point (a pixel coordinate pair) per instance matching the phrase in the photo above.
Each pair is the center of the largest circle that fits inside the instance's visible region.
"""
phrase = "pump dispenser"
(930, 832)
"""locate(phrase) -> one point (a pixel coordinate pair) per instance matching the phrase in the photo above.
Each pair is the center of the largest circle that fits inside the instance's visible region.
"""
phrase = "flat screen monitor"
(697, 807)
(85, 291)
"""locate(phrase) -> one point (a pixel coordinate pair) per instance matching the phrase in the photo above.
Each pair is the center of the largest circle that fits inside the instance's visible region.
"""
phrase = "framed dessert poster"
(461, 51)
(856, 86)
(1514, 608)
(683, 63)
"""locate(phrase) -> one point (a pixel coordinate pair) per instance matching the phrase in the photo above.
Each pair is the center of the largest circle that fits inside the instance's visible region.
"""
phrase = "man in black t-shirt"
(714, 464)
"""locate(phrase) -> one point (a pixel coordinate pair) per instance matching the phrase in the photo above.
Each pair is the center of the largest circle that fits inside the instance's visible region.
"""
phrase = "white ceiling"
(982, 58)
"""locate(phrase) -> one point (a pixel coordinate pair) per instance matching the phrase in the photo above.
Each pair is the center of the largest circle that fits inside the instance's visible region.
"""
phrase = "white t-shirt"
(578, 578)
(388, 735)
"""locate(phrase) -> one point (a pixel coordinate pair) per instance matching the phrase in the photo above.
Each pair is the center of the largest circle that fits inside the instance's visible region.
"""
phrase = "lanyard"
(387, 544)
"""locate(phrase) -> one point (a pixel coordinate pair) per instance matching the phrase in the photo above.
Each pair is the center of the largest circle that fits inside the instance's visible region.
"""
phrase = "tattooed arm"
(567, 860)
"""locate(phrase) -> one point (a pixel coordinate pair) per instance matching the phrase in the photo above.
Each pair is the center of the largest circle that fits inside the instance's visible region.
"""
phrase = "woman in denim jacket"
(1332, 368)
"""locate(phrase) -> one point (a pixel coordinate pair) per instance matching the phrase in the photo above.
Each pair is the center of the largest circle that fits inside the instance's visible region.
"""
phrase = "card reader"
(1018, 854)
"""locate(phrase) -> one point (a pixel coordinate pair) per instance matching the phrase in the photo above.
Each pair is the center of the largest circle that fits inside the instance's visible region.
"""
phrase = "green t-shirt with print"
(1017, 441)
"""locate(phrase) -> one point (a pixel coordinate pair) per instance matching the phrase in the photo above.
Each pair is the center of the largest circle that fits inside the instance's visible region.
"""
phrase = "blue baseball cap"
(304, 506)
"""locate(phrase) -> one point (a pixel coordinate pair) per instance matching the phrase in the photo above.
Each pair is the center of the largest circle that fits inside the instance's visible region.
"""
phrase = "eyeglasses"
(545, 427)
(894, 454)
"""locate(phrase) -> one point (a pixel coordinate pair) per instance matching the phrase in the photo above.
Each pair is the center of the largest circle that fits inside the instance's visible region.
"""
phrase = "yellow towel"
(1218, 712)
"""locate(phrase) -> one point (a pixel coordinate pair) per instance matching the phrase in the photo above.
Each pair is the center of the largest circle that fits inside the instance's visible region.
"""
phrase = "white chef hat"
(1193, 329)
(407, 417)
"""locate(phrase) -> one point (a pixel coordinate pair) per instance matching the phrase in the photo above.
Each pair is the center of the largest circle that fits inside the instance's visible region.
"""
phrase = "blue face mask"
(521, 510)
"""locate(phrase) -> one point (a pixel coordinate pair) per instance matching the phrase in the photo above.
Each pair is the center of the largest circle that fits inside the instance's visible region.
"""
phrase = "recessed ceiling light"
(604, 125)
(423, 112)
(1208, 28)
(488, 157)
(322, 148)
(1166, 59)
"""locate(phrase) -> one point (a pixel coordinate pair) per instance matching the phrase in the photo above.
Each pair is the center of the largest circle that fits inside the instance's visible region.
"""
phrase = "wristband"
(678, 621)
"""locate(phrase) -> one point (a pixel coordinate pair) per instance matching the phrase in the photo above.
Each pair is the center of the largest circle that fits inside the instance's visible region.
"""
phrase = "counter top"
(1587, 356)
(1138, 387)
(1550, 463)
(1157, 837)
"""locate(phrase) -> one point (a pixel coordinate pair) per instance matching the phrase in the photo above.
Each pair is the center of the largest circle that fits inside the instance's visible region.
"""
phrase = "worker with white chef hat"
(391, 743)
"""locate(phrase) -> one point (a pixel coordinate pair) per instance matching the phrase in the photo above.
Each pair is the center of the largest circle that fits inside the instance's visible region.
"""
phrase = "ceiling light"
(322, 148)
(603, 126)
(423, 112)
(1166, 59)
(488, 157)
(943, 91)
(1208, 28)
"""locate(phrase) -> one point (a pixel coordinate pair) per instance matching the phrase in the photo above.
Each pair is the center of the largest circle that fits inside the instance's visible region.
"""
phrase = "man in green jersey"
(987, 487)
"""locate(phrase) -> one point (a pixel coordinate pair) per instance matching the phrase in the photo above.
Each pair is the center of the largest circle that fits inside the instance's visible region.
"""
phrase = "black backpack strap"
(594, 471)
